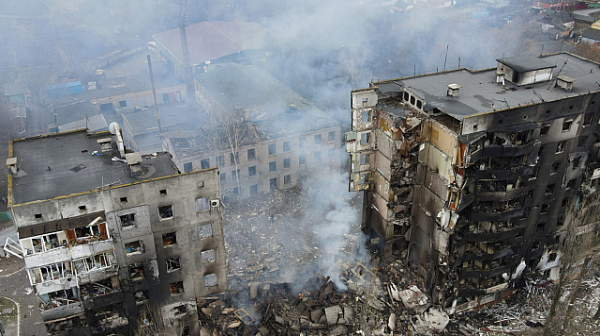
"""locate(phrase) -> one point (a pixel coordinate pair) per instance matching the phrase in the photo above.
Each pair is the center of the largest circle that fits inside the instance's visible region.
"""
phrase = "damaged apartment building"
(261, 134)
(472, 171)
(109, 236)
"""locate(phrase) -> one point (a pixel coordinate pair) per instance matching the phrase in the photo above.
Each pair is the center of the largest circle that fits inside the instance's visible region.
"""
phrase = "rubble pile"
(526, 312)
(265, 238)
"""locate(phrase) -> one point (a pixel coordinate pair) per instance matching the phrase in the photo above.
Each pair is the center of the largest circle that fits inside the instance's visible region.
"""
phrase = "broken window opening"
(317, 139)
(545, 208)
(272, 149)
(287, 179)
(86, 234)
(287, 146)
(202, 204)
(582, 141)
(364, 159)
(140, 297)
(123, 199)
(59, 298)
(541, 227)
(273, 166)
(169, 239)
(588, 118)
(545, 130)
(210, 280)
(365, 116)
(165, 212)
(364, 138)
(136, 271)
(550, 188)
(555, 167)
(302, 159)
(287, 163)
(220, 160)
(208, 256)
(235, 174)
(253, 190)
(552, 257)
(234, 158)
(205, 230)
(560, 147)
(222, 177)
(98, 288)
(205, 163)
(176, 288)
(251, 154)
(252, 171)
(163, 192)
(173, 264)
(51, 272)
(273, 183)
(135, 247)
(127, 220)
(94, 263)
(302, 143)
(567, 125)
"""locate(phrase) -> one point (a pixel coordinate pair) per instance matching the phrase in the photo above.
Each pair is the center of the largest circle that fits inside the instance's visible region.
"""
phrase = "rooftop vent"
(105, 145)
(500, 77)
(564, 82)
(12, 164)
(134, 161)
(453, 90)
(92, 86)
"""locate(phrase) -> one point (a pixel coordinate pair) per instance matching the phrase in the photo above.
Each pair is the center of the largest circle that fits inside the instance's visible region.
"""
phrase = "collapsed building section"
(108, 234)
(472, 171)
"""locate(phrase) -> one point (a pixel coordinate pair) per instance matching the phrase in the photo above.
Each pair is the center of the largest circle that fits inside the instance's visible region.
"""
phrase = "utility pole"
(186, 61)
(154, 94)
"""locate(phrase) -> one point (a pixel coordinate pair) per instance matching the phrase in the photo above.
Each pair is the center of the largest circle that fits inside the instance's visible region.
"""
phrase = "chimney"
(12, 164)
(564, 82)
(453, 90)
(500, 75)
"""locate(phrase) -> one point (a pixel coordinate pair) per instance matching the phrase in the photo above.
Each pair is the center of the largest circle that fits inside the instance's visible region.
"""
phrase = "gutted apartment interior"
(472, 171)
(107, 234)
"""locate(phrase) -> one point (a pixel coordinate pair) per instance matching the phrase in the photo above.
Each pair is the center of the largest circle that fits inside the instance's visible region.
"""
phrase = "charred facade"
(472, 171)
(108, 234)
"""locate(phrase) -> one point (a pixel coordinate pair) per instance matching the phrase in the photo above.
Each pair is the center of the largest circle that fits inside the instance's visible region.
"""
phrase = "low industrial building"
(472, 171)
(110, 236)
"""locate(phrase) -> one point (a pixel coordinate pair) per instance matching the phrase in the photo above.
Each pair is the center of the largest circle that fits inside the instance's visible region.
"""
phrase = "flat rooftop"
(63, 164)
(480, 90)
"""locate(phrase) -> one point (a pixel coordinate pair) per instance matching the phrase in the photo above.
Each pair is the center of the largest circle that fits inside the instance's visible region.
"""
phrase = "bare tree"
(227, 133)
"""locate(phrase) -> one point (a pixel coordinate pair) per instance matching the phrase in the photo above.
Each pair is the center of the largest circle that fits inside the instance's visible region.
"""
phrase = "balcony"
(85, 250)
(495, 215)
(500, 150)
(58, 308)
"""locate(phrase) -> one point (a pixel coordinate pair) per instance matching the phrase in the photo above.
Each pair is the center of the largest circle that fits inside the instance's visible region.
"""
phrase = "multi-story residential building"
(473, 171)
(272, 137)
(108, 234)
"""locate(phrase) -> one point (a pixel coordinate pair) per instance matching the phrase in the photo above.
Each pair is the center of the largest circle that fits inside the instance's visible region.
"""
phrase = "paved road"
(16, 287)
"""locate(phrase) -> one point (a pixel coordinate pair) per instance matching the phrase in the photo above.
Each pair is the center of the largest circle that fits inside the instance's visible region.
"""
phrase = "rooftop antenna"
(459, 62)
(186, 53)
(373, 75)
(561, 68)
(542, 52)
(446, 56)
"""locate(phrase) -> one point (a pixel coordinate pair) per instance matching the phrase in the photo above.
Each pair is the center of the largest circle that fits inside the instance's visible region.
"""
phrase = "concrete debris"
(414, 299)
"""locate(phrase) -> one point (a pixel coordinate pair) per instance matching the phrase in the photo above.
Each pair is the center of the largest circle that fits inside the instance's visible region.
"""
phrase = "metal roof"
(211, 40)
